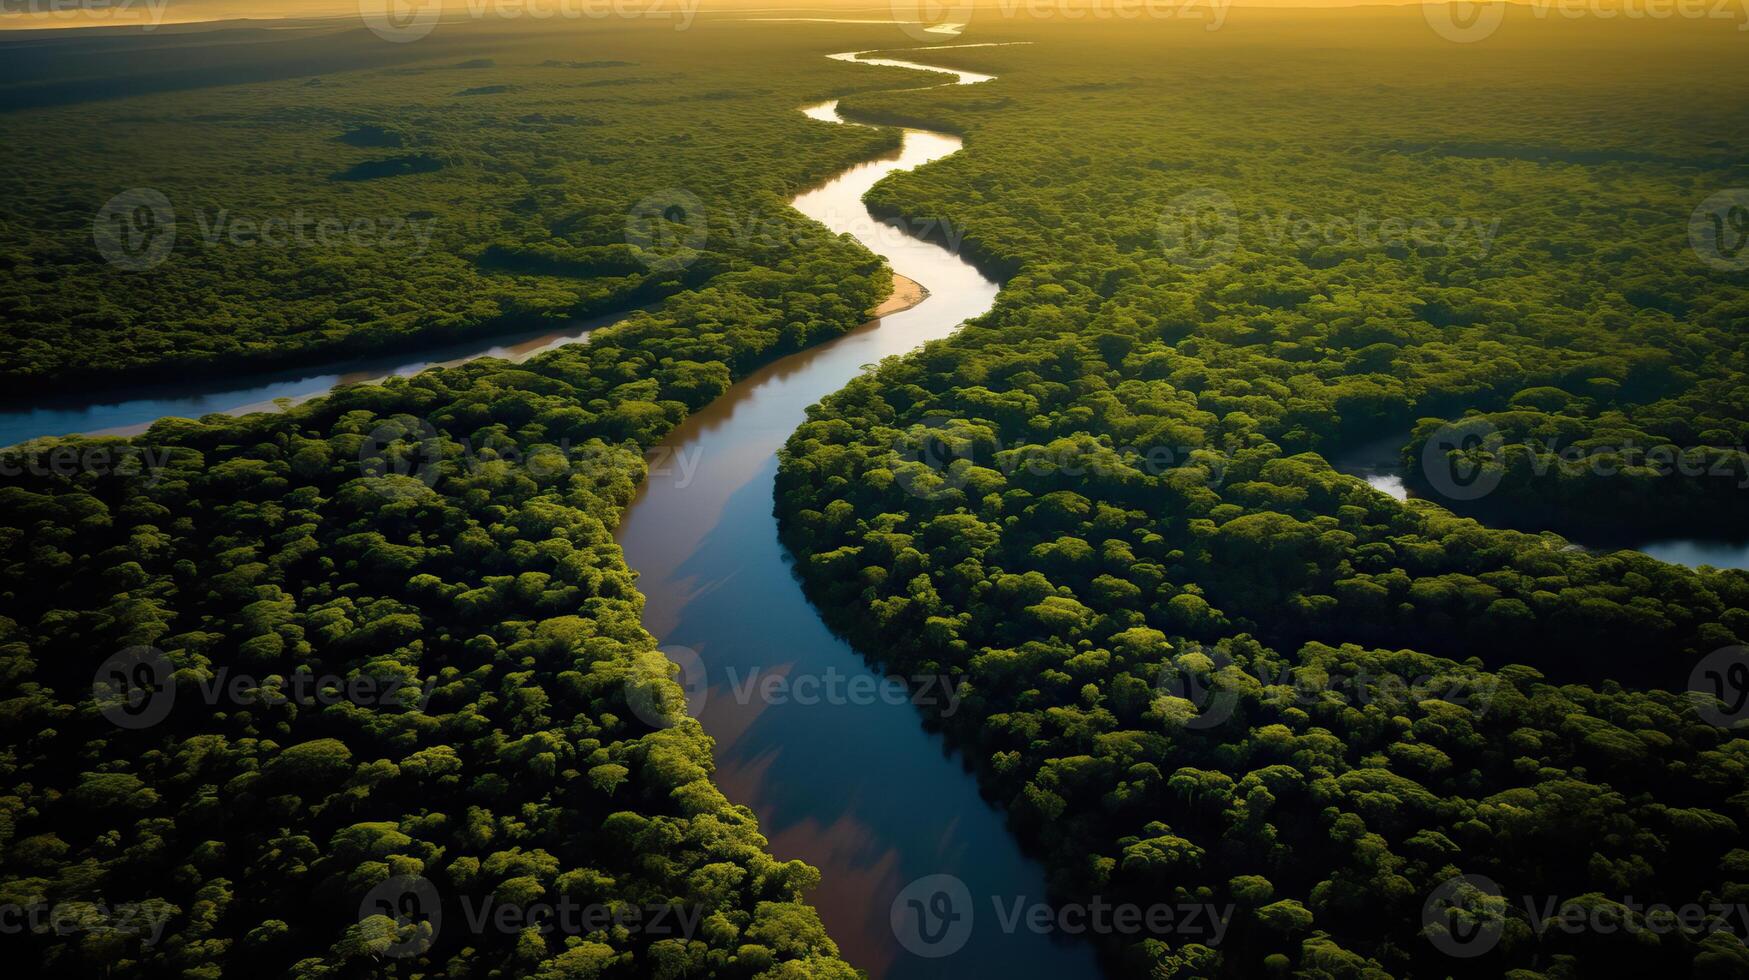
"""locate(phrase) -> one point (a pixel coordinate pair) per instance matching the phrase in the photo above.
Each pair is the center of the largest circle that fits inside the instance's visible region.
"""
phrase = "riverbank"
(906, 294)
(855, 784)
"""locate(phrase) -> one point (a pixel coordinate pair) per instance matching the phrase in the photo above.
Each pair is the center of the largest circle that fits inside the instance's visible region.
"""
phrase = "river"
(854, 785)
(130, 411)
(840, 770)
(1379, 462)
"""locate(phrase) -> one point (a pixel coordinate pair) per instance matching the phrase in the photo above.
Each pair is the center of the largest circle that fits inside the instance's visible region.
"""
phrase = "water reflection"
(1695, 553)
(1380, 463)
(131, 411)
(857, 788)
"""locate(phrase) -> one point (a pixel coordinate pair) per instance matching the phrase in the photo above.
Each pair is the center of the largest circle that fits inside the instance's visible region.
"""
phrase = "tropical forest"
(1152, 489)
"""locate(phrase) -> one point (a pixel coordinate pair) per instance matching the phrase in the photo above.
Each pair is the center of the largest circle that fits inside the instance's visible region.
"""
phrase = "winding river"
(851, 783)
(131, 411)
(1379, 462)
(837, 765)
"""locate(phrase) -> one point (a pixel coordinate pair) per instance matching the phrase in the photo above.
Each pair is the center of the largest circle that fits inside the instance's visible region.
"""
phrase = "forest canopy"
(360, 688)
(1204, 666)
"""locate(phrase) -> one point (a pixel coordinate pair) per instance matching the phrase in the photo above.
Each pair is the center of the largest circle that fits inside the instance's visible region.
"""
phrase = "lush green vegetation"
(1203, 666)
(1108, 503)
(447, 214)
(447, 537)
(311, 542)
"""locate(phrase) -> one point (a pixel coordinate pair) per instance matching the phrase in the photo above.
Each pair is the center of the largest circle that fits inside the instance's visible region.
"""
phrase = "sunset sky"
(48, 14)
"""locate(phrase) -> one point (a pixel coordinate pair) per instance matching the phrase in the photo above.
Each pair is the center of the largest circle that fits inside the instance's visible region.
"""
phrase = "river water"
(839, 767)
(129, 412)
(851, 784)
(1379, 462)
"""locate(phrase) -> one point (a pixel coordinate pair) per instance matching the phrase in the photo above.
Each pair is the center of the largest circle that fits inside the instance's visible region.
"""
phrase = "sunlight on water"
(861, 791)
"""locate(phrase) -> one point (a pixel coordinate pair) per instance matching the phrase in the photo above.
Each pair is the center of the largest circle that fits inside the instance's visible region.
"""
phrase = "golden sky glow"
(41, 14)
